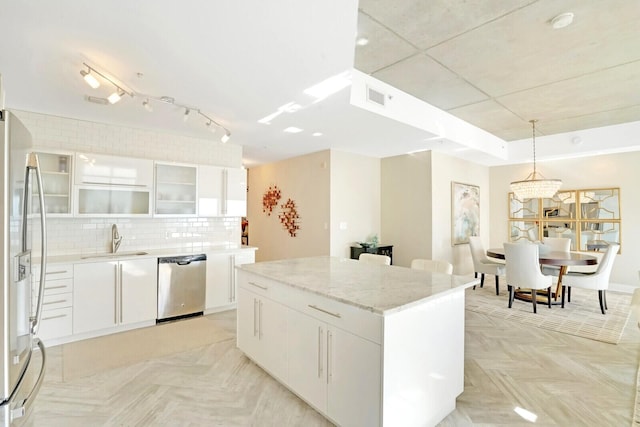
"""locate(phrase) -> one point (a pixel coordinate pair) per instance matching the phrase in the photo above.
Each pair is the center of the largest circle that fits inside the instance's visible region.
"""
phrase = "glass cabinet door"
(56, 180)
(175, 189)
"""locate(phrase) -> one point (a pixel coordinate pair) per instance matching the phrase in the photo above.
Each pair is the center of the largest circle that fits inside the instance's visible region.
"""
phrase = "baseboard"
(621, 287)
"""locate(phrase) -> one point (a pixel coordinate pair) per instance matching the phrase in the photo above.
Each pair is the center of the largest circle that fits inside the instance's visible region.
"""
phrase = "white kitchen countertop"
(151, 253)
(381, 289)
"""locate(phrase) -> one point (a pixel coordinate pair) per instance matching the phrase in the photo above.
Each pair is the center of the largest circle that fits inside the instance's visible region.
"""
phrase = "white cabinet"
(175, 189)
(334, 370)
(57, 304)
(111, 185)
(112, 293)
(332, 350)
(222, 278)
(222, 191)
(56, 181)
(262, 331)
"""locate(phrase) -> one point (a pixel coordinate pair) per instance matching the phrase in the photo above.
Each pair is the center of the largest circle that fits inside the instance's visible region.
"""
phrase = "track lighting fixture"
(90, 79)
(89, 76)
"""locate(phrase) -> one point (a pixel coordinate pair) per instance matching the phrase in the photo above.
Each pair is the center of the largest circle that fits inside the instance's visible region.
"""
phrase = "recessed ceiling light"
(316, 134)
(362, 41)
(562, 20)
(292, 129)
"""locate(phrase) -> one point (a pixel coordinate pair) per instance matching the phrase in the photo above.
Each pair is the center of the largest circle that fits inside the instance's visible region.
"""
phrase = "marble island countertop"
(381, 289)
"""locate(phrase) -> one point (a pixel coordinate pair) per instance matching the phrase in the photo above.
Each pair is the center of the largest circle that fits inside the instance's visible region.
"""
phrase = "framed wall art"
(465, 212)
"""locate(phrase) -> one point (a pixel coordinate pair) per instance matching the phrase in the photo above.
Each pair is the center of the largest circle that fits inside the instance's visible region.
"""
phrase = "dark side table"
(380, 250)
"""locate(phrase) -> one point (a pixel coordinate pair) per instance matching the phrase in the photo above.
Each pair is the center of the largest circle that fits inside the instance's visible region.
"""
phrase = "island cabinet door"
(261, 332)
(354, 376)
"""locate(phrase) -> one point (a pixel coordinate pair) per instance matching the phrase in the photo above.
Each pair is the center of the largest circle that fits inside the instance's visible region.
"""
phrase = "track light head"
(186, 114)
(225, 137)
(88, 77)
(147, 106)
(115, 96)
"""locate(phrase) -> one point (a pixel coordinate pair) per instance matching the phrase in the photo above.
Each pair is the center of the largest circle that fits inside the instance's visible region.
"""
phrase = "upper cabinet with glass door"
(56, 180)
(176, 189)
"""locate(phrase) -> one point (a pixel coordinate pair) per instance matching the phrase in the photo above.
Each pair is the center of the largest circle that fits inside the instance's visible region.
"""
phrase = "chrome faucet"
(116, 239)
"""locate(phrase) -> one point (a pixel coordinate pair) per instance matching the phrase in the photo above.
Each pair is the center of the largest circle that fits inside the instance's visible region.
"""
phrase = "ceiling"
(494, 64)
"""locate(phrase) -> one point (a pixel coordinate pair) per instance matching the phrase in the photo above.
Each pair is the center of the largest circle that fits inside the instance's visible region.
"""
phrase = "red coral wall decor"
(289, 217)
(270, 199)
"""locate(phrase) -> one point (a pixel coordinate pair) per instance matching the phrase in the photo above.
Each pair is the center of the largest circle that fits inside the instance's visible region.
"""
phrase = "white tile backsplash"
(68, 236)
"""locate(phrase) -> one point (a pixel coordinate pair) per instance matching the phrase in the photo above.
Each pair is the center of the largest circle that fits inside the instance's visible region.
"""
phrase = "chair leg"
(569, 294)
(563, 287)
(601, 298)
(511, 295)
(497, 285)
(475, 275)
(533, 300)
(482, 280)
(604, 293)
(549, 296)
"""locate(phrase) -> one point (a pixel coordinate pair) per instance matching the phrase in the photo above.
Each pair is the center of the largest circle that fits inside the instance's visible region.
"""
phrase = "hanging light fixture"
(535, 186)
(89, 78)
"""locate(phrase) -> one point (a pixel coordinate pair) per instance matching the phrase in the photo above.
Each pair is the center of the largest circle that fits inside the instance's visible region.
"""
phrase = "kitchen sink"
(115, 255)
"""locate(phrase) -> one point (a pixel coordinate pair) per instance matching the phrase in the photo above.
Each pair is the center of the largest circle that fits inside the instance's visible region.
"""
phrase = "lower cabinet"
(112, 293)
(221, 277)
(262, 331)
(57, 302)
(312, 345)
(335, 371)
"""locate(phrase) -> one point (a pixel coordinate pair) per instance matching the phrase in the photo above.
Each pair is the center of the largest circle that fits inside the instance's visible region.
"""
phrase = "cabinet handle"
(113, 183)
(54, 287)
(225, 179)
(320, 352)
(325, 311)
(232, 279)
(120, 281)
(264, 288)
(329, 346)
(54, 317)
(115, 296)
(54, 302)
(56, 272)
(255, 327)
(260, 320)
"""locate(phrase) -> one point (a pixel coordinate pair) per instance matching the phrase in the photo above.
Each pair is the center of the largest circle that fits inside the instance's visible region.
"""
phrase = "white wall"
(82, 235)
(305, 180)
(406, 207)
(355, 201)
(445, 170)
(613, 170)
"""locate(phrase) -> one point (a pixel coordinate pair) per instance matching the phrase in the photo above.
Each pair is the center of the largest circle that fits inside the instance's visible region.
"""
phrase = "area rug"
(87, 357)
(580, 317)
(636, 411)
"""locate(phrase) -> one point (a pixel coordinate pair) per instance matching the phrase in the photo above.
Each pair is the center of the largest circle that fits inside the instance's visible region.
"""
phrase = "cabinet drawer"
(55, 301)
(52, 287)
(264, 287)
(56, 323)
(245, 257)
(54, 272)
(359, 322)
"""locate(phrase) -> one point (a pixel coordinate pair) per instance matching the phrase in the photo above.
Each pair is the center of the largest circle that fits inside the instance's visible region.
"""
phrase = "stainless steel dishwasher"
(181, 286)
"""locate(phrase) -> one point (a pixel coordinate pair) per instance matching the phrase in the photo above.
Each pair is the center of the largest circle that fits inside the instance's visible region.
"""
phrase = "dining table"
(557, 258)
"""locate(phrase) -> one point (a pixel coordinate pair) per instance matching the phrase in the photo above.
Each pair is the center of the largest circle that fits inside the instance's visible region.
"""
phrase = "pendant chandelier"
(535, 186)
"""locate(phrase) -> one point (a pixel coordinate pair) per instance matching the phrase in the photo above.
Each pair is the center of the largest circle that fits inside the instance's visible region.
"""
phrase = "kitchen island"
(363, 344)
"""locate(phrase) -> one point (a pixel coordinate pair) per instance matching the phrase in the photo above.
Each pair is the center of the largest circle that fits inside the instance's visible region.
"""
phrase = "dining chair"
(482, 264)
(523, 271)
(433, 265)
(374, 259)
(599, 280)
(555, 244)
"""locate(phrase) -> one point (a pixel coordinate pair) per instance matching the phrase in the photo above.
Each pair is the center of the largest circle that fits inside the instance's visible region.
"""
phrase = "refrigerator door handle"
(24, 406)
(34, 163)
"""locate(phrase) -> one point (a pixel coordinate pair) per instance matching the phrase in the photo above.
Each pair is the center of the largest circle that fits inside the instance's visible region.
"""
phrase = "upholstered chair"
(555, 244)
(374, 259)
(433, 265)
(523, 271)
(482, 264)
(598, 280)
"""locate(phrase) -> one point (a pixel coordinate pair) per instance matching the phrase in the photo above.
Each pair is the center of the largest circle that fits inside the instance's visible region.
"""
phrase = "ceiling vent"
(375, 96)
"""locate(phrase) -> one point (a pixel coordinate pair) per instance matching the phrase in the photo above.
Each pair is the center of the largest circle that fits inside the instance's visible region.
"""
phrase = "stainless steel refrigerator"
(23, 356)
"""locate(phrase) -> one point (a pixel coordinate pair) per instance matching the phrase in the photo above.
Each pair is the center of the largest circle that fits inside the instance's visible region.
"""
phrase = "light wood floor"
(563, 380)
